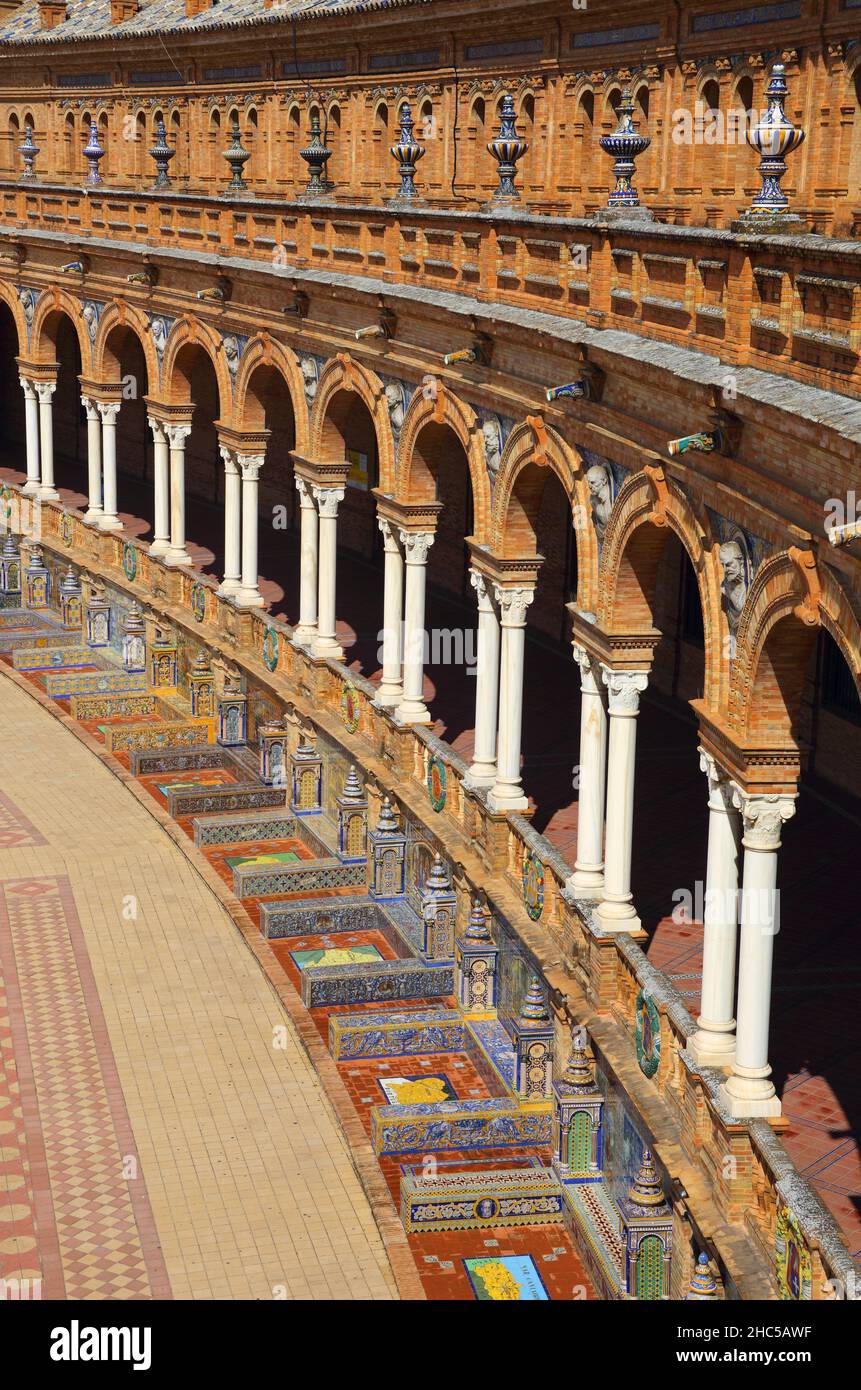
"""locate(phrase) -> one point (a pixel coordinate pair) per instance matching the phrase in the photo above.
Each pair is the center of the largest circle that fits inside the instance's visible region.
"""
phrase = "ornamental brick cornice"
(618, 651)
(242, 441)
(756, 767)
(108, 392)
(168, 412)
(407, 516)
(504, 572)
(319, 474)
(37, 371)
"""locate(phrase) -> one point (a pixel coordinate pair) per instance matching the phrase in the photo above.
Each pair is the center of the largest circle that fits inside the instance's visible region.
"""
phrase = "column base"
(412, 712)
(48, 494)
(174, 558)
(618, 917)
(388, 696)
(229, 588)
(481, 775)
(587, 884)
(92, 516)
(327, 649)
(712, 1049)
(749, 1095)
(304, 636)
(110, 523)
(159, 547)
(501, 801)
(31, 488)
(249, 598)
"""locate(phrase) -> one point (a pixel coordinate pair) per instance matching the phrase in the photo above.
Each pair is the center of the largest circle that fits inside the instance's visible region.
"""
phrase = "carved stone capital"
(305, 491)
(482, 587)
(92, 408)
(45, 391)
(328, 499)
(177, 435)
(720, 787)
(513, 604)
(763, 818)
(416, 545)
(624, 689)
(251, 466)
(108, 410)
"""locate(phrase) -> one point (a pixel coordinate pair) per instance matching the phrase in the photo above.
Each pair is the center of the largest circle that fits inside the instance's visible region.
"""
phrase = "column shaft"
(483, 770)
(177, 553)
(714, 1043)
(412, 709)
(45, 391)
(160, 543)
(616, 911)
(326, 643)
(231, 582)
(587, 880)
(94, 461)
(305, 631)
(249, 595)
(109, 521)
(31, 422)
(506, 793)
(391, 690)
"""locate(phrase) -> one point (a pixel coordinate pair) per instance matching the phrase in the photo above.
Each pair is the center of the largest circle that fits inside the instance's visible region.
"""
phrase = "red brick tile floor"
(815, 1044)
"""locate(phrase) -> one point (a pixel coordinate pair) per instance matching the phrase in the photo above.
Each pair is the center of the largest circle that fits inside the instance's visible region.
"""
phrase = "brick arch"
(790, 598)
(414, 479)
(647, 508)
(52, 303)
(531, 451)
(190, 332)
(344, 373)
(9, 296)
(119, 314)
(263, 351)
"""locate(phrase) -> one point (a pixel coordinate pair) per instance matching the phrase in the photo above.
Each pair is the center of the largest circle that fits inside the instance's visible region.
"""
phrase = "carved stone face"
(732, 560)
(308, 368)
(395, 402)
(492, 444)
(735, 580)
(600, 484)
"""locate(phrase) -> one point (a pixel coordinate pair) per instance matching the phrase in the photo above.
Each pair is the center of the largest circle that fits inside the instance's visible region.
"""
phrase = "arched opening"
(11, 398)
(13, 140)
(69, 418)
(381, 175)
(349, 433)
(293, 165)
(268, 406)
(477, 173)
(194, 383)
(213, 161)
(125, 362)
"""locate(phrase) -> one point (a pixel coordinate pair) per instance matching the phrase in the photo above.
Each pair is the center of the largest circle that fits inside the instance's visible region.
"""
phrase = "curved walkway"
(162, 1131)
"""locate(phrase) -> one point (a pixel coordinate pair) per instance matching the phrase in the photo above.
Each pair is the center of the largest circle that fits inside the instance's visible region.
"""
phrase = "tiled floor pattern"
(245, 1171)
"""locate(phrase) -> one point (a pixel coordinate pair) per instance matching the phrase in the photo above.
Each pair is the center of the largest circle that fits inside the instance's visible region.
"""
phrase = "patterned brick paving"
(153, 1138)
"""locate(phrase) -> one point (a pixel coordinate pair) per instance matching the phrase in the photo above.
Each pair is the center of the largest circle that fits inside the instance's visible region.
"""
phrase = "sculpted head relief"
(599, 481)
(735, 563)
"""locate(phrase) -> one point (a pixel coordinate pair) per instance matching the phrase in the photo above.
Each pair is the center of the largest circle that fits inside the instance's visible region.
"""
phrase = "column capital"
(624, 689)
(305, 491)
(91, 407)
(28, 387)
(157, 427)
(483, 590)
(250, 465)
(763, 817)
(590, 669)
(177, 435)
(416, 545)
(389, 532)
(513, 604)
(328, 499)
(228, 458)
(720, 786)
(108, 410)
(45, 391)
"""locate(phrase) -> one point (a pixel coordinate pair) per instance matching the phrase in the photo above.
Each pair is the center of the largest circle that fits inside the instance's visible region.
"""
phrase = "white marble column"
(160, 543)
(176, 553)
(506, 793)
(94, 461)
(45, 391)
(326, 642)
(232, 581)
(391, 689)
(31, 423)
(748, 1091)
(305, 630)
(412, 709)
(713, 1045)
(616, 911)
(482, 772)
(109, 521)
(249, 595)
(587, 880)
